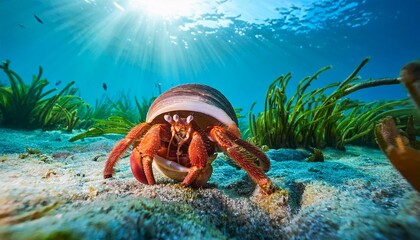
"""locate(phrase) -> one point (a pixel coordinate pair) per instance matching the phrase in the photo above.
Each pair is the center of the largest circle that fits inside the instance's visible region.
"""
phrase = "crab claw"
(141, 158)
(137, 167)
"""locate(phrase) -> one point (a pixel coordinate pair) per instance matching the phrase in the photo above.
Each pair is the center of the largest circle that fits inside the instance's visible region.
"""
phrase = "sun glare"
(166, 8)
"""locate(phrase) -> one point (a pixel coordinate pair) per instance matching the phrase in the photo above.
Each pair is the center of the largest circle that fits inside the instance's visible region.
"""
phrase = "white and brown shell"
(208, 106)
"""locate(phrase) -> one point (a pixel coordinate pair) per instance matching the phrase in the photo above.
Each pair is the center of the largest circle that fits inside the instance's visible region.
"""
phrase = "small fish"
(38, 19)
(22, 26)
(58, 83)
(159, 86)
(105, 86)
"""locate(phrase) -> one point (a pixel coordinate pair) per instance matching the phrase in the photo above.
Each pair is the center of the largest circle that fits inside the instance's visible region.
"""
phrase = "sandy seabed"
(54, 189)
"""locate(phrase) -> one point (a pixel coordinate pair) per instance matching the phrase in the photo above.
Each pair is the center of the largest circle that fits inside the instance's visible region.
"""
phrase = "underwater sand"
(58, 192)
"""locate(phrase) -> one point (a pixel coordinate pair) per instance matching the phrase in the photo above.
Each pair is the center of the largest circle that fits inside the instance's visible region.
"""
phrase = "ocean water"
(52, 188)
(238, 47)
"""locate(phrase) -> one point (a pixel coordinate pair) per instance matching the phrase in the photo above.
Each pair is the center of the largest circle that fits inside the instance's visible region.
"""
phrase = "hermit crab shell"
(208, 106)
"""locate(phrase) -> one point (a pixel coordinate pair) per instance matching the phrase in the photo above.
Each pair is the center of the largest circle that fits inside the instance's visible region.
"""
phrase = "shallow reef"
(54, 189)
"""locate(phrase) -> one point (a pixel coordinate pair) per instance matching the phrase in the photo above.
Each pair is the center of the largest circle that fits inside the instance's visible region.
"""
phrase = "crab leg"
(122, 146)
(247, 156)
(201, 169)
(142, 156)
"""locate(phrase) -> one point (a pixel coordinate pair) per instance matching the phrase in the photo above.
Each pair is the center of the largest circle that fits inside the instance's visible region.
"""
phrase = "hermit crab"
(184, 127)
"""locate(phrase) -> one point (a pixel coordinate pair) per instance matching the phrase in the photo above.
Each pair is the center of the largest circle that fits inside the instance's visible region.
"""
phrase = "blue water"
(238, 47)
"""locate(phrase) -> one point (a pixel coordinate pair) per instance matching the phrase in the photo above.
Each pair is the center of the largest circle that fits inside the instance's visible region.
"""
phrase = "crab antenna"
(168, 118)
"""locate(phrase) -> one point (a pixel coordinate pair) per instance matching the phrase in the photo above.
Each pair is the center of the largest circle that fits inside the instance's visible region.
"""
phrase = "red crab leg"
(200, 170)
(122, 146)
(247, 156)
(142, 156)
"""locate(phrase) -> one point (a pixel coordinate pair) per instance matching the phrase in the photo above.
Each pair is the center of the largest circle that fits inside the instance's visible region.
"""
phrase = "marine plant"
(101, 110)
(122, 116)
(31, 107)
(317, 119)
(62, 111)
(358, 125)
(242, 123)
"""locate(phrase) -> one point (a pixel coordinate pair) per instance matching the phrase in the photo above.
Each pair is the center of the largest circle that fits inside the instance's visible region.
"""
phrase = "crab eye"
(189, 118)
(168, 118)
(176, 118)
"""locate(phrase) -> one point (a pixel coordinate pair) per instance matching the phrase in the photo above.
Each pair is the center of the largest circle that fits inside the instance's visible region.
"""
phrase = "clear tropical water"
(55, 189)
(238, 47)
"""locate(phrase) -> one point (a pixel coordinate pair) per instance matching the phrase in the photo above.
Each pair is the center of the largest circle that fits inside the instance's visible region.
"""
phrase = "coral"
(30, 107)
(315, 119)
